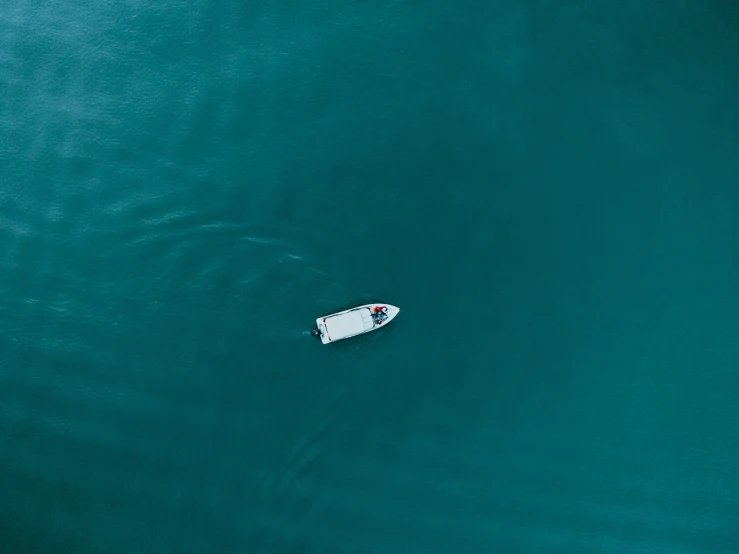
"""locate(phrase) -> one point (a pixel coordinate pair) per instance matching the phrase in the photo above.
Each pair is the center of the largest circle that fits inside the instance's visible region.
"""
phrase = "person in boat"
(380, 314)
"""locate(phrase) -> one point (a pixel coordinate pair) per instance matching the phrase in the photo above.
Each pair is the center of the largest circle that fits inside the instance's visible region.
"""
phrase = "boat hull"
(353, 322)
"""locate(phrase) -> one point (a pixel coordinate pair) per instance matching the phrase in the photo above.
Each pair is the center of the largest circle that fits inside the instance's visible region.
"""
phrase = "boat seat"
(367, 321)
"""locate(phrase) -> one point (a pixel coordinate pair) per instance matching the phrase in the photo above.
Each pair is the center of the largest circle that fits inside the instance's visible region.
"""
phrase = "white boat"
(354, 321)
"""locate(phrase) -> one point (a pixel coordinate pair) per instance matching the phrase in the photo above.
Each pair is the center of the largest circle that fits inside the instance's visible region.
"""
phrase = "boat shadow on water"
(353, 304)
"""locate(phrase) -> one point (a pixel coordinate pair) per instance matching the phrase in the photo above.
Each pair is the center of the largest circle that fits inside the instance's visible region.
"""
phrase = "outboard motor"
(315, 333)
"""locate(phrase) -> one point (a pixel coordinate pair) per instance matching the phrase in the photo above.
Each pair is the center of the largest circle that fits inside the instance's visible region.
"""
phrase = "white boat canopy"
(348, 324)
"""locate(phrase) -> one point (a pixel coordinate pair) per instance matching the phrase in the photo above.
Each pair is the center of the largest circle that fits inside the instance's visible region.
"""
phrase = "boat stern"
(321, 324)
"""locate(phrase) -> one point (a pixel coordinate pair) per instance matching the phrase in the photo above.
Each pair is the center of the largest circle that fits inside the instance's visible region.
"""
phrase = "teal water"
(548, 191)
